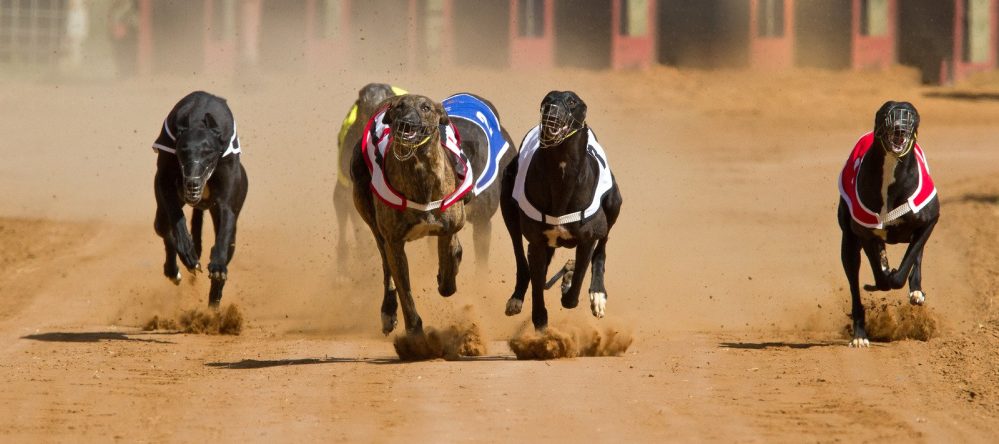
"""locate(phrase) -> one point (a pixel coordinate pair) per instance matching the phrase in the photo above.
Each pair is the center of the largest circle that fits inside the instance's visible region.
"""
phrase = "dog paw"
(389, 322)
(917, 297)
(860, 343)
(598, 303)
(514, 306)
(217, 272)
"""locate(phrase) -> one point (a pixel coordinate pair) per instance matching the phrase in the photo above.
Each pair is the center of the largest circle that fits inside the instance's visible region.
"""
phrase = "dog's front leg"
(538, 257)
(222, 252)
(511, 218)
(449, 259)
(913, 261)
(850, 256)
(171, 225)
(395, 253)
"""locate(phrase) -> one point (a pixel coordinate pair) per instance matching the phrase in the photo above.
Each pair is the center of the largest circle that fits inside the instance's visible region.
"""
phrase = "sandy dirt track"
(724, 267)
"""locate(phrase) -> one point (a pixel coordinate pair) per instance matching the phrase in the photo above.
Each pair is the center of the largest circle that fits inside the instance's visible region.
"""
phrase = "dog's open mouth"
(411, 133)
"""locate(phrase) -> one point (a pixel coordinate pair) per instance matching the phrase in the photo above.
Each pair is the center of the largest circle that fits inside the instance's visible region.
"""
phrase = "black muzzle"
(194, 181)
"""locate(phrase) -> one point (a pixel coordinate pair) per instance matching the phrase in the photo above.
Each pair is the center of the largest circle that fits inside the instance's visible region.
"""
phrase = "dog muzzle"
(410, 134)
(899, 134)
(194, 185)
(557, 124)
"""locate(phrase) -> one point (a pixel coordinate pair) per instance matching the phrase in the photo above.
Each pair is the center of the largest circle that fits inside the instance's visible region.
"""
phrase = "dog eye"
(571, 102)
(425, 108)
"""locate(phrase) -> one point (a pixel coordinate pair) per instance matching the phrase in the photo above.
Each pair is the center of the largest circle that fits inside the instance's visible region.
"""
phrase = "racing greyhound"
(886, 196)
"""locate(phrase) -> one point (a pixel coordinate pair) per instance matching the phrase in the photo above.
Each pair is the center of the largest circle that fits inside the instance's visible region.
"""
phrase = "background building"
(945, 39)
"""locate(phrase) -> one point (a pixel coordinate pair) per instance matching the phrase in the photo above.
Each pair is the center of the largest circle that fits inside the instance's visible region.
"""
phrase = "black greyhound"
(199, 165)
(886, 196)
(559, 192)
(368, 99)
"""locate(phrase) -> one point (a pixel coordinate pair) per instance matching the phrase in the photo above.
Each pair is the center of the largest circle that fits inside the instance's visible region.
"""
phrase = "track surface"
(724, 267)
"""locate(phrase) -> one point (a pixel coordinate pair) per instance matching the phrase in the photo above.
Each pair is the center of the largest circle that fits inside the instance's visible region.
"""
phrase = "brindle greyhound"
(561, 171)
(406, 186)
(199, 165)
(368, 99)
(886, 174)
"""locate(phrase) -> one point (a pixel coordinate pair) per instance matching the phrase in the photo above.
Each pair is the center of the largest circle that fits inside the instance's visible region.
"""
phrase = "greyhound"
(410, 181)
(486, 143)
(368, 99)
(886, 196)
(198, 165)
(561, 170)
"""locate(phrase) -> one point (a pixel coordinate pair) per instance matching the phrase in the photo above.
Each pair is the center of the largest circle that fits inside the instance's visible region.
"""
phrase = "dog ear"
(445, 119)
(212, 125)
(391, 104)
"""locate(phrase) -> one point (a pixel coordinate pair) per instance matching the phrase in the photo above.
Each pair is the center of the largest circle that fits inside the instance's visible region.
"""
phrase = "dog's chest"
(558, 236)
(429, 224)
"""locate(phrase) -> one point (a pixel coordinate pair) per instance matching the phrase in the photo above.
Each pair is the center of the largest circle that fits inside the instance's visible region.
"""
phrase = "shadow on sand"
(94, 336)
(251, 364)
(770, 345)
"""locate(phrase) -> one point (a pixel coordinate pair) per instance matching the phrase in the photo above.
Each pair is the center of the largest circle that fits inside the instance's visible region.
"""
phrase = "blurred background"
(946, 40)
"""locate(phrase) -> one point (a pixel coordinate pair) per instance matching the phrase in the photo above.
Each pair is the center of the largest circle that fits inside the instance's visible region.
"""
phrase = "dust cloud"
(570, 341)
(897, 320)
(464, 339)
(227, 321)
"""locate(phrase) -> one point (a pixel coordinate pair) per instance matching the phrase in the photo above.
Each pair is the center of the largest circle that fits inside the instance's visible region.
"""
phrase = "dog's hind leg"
(598, 293)
(342, 209)
(877, 258)
(449, 259)
(584, 254)
(481, 235)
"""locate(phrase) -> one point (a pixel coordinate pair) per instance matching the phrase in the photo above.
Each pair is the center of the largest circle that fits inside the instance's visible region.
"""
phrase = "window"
(770, 18)
(634, 17)
(873, 17)
(976, 31)
(530, 18)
